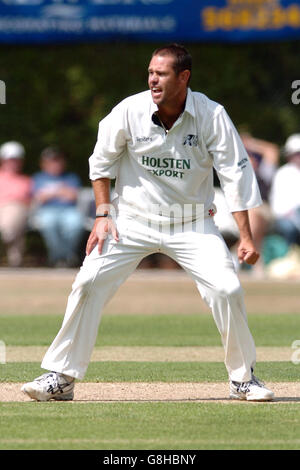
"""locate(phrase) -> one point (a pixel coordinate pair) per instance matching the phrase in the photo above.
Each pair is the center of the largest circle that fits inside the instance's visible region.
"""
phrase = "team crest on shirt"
(191, 140)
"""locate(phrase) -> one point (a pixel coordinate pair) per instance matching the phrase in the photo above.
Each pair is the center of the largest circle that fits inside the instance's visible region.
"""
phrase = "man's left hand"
(247, 253)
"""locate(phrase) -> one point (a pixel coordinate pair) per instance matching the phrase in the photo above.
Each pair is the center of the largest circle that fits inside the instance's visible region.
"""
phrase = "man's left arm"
(246, 250)
(232, 164)
(237, 178)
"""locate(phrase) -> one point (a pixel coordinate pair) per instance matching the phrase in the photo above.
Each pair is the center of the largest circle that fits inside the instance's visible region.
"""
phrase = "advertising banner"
(50, 21)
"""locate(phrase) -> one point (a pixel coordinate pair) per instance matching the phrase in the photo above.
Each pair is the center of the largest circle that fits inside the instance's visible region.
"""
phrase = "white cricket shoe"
(254, 390)
(50, 386)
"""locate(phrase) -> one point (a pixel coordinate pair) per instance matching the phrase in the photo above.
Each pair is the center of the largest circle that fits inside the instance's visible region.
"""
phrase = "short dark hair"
(53, 152)
(182, 58)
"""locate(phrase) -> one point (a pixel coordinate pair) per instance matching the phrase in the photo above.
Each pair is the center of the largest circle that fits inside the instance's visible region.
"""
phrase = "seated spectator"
(285, 193)
(56, 214)
(15, 195)
(264, 157)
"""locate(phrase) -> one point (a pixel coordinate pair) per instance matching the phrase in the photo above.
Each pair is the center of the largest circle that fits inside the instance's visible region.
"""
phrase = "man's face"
(295, 159)
(54, 166)
(166, 87)
(12, 165)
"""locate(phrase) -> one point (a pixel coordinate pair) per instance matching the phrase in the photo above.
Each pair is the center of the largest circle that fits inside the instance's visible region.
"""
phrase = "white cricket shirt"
(155, 170)
(285, 190)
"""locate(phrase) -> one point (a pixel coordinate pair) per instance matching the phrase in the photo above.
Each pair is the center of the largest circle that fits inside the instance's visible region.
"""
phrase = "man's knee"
(230, 290)
(83, 281)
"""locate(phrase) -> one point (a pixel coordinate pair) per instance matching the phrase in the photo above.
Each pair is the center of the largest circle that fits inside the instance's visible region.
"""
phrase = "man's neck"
(169, 115)
(168, 118)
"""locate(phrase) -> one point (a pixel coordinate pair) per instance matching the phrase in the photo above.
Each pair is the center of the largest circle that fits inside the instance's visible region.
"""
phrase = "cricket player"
(161, 146)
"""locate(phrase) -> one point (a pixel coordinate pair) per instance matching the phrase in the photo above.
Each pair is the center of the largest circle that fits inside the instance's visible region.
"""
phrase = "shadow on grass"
(190, 400)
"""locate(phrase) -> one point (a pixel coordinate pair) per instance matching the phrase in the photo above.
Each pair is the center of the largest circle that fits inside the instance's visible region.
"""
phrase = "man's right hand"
(103, 226)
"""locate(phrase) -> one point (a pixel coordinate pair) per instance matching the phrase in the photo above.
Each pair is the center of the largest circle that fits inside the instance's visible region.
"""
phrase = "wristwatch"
(103, 215)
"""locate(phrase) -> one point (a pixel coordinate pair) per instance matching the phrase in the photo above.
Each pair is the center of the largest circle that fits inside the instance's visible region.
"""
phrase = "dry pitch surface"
(139, 392)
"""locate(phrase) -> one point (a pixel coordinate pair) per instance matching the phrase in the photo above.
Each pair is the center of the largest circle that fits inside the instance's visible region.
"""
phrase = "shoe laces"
(52, 383)
(257, 381)
(243, 387)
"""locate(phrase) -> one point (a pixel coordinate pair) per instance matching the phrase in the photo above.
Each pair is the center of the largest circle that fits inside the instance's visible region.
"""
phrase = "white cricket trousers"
(203, 254)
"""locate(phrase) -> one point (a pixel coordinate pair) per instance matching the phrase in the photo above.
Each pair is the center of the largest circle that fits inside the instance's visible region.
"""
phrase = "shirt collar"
(189, 104)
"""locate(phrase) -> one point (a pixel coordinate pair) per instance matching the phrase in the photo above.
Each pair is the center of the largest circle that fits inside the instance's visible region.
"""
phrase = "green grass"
(155, 372)
(149, 426)
(151, 330)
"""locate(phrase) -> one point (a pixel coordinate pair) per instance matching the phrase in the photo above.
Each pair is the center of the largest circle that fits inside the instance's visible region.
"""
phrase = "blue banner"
(48, 21)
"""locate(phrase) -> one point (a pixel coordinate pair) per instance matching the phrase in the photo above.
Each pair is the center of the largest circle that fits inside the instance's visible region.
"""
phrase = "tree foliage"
(56, 94)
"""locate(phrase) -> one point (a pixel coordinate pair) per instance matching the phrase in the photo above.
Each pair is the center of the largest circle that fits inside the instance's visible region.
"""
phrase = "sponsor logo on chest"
(170, 167)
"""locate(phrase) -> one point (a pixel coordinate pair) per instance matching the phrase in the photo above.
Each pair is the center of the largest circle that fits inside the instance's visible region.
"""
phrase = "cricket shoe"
(50, 386)
(254, 390)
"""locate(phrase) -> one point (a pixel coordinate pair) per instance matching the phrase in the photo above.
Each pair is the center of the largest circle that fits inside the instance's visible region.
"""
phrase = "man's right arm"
(111, 142)
(103, 226)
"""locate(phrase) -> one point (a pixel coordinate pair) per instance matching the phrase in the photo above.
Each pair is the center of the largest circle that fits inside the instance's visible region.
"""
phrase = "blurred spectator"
(285, 193)
(15, 195)
(56, 215)
(264, 157)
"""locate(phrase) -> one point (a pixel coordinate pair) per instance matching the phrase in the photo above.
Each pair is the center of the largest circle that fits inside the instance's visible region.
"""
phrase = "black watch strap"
(103, 215)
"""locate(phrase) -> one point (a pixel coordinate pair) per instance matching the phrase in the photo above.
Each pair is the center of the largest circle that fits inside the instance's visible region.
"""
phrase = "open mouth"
(156, 92)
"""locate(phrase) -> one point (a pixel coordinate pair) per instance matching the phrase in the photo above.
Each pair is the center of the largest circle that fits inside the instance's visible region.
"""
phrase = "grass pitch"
(164, 323)
(143, 426)
(151, 330)
(155, 372)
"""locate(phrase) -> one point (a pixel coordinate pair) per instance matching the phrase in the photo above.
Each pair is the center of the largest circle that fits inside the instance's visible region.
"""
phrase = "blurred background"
(65, 64)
